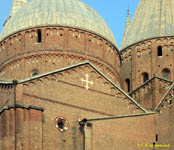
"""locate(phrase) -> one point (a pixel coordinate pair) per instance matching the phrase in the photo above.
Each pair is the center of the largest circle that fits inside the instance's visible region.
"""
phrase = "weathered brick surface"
(63, 94)
(6, 95)
(165, 120)
(28, 129)
(60, 47)
(150, 94)
(66, 97)
(142, 57)
(123, 133)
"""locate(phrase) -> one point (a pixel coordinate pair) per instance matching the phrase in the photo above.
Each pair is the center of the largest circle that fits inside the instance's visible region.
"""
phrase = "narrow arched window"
(166, 73)
(160, 51)
(39, 36)
(127, 85)
(145, 77)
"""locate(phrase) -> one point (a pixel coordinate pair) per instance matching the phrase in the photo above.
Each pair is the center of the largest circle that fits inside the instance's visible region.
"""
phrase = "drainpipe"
(15, 118)
(154, 145)
(86, 130)
(82, 129)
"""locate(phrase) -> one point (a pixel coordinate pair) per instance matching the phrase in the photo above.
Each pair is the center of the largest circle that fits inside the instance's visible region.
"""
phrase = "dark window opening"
(160, 51)
(170, 102)
(156, 137)
(60, 124)
(34, 73)
(166, 74)
(39, 36)
(128, 85)
(145, 77)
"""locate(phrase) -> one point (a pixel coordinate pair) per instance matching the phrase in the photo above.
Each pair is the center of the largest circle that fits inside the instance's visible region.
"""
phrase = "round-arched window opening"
(166, 73)
(61, 124)
(127, 85)
(34, 73)
(39, 36)
(160, 51)
(145, 77)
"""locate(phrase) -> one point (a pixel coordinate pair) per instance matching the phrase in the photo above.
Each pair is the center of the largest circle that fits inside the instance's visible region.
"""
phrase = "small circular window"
(61, 124)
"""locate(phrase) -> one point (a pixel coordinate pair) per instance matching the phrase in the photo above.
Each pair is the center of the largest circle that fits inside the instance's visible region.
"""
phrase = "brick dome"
(69, 13)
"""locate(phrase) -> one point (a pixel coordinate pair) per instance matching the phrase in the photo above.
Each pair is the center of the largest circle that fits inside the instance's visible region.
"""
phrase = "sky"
(114, 13)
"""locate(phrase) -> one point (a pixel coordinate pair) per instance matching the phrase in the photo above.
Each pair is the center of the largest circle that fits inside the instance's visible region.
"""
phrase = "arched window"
(166, 73)
(127, 85)
(39, 36)
(160, 51)
(34, 73)
(145, 77)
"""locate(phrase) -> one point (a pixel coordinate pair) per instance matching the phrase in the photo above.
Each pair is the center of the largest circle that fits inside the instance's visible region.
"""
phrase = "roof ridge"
(21, 106)
(5, 82)
(123, 92)
(53, 72)
(154, 77)
(115, 117)
(166, 94)
(84, 63)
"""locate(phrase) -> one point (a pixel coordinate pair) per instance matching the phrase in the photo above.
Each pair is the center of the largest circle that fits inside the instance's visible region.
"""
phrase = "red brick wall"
(151, 93)
(60, 47)
(64, 95)
(124, 133)
(28, 129)
(6, 95)
(165, 126)
(142, 57)
(165, 120)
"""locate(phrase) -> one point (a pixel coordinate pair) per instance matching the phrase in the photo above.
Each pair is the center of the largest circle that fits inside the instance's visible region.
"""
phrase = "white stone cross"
(87, 81)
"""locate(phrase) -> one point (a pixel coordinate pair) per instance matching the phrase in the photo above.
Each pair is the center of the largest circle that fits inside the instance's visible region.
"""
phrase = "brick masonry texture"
(60, 88)
(143, 57)
(60, 47)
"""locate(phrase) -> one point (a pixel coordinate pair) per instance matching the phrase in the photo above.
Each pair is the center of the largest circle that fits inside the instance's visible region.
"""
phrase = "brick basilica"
(64, 84)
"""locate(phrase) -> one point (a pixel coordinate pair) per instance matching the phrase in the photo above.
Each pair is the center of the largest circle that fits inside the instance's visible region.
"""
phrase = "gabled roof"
(93, 67)
(161, 96)
(144, 84)
(164, 97)
(21, 106)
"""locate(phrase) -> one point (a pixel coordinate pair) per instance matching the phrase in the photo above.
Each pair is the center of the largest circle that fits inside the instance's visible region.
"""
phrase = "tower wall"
(165, 124)
(143, 57)
(24, 132)
(59, 47)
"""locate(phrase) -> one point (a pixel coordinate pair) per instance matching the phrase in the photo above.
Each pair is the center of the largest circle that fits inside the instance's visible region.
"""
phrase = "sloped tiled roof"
(153, 18)
(68, 13)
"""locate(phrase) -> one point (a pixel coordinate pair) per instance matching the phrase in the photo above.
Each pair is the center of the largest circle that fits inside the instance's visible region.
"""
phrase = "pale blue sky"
(113, 11)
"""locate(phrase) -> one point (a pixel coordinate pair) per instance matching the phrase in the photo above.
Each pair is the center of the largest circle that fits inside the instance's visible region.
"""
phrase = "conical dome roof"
(69, 13)
(153, 18)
